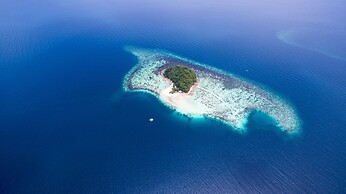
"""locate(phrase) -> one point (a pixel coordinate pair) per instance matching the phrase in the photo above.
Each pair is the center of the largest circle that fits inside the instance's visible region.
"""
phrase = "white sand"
(182, 101)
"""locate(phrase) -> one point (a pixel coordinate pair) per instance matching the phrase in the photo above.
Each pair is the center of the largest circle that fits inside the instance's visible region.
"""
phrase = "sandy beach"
(182, 101)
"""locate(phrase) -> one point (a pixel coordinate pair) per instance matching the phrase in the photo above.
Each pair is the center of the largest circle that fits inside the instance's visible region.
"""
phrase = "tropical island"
(183, 78)
(215, 94)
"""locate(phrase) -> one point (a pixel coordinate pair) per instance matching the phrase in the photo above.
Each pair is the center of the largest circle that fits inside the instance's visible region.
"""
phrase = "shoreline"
(179, 100)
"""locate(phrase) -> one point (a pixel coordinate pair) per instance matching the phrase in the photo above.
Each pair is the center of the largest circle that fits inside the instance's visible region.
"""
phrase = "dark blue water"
(66, 126)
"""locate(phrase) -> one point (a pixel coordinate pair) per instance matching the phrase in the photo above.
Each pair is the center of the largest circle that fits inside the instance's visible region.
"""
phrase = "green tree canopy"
(182, 77)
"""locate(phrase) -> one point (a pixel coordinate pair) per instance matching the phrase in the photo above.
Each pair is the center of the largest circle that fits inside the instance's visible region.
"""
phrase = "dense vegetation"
(182, 77)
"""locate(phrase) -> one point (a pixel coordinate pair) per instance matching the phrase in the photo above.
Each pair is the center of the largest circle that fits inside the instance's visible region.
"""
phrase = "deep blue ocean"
(67, 126)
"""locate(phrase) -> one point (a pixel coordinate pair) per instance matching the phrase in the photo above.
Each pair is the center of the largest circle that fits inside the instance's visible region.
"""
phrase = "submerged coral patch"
(216, 94)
